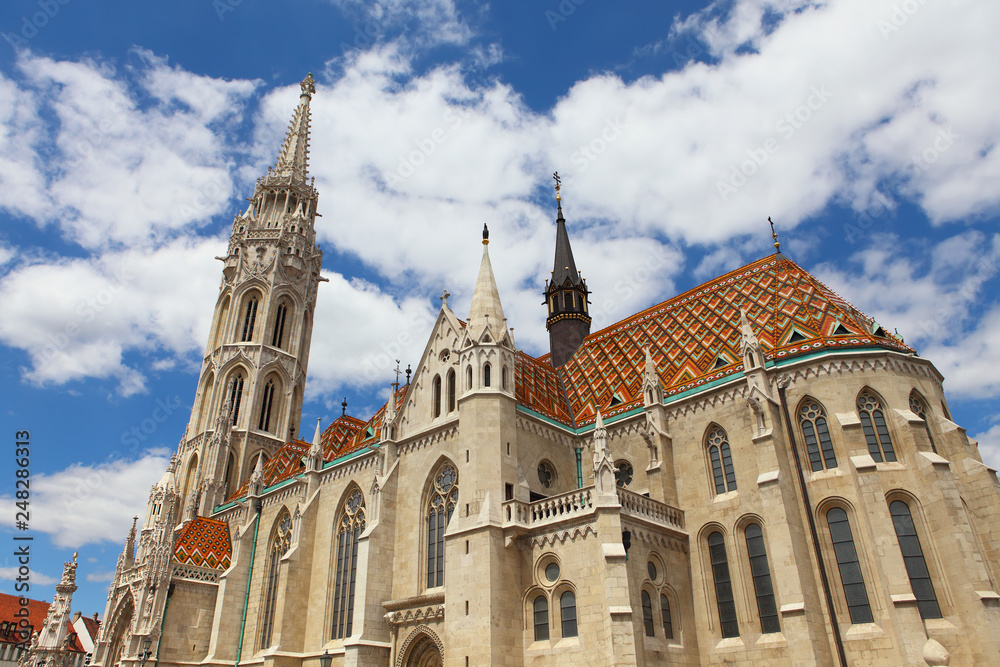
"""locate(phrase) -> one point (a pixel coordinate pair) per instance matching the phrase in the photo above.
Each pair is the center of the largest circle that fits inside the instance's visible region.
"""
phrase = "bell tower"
(249, 397)
(568, 321)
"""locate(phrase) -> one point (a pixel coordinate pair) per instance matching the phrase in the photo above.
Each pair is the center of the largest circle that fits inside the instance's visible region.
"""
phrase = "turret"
(568, 321)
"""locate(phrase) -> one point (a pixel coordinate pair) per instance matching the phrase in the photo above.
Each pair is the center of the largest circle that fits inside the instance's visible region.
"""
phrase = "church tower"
(249, 398)
(568, 322)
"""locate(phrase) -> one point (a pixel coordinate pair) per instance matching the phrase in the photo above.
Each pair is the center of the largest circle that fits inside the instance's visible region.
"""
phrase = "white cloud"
(101, 577)
(989, 445)
(85, 504)
(424, 23)
(37, 578)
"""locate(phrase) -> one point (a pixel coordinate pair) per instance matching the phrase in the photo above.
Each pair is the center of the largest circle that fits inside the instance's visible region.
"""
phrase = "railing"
(550, 510)
(651, 510)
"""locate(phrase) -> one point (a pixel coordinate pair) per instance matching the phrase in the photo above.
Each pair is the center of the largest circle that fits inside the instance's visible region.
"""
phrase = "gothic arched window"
(350, 527)
(436, 391)
(278, 333)
(451, 390)
(444, 497)
(279, 545)
(486, 375)
(668, 625)
(266, 403)
(919, 408)
(722, 461)
(723, 585)
(468, 377)
(767, 609)
(503, 378)
(647, 614)
(249, 318)
(812, 420)
(876, 430)
(236, 396)
(567, 613)
(541, 611)
(851, 577)
(913, 558)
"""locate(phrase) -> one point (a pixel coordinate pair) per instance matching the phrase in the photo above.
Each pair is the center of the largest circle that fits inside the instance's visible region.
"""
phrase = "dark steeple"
(565, 296)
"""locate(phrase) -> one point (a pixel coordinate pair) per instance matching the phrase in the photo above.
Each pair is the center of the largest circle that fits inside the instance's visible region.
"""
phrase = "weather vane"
(774, 235)
(555, 177)
(395, 385)
(343, 408)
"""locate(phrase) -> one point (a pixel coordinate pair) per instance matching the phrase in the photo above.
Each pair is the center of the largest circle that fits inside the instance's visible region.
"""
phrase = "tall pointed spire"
(486, 310)
(293, 159)
(566, 295)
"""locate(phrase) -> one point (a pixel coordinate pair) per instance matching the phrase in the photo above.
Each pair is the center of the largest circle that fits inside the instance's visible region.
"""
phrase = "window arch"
(647, 614)
(249, 318)
(451, 390)
(444, 497)
(235, 396)
(767, 609)
(623, 473)
(913, 558)
(721, 457)
(872, 416)
(918, 406)
(349, 529)
(486, 374)
(468, 378)
(230, 480)
(851, 577)
(723, 585)
(436, 395)
(567, 614)
(816, 432)
(280, 542)
(668, 623)
(540, 607)
(278, 329)
(267, 404)
(220, 324)
(206, 399)
(503, 378)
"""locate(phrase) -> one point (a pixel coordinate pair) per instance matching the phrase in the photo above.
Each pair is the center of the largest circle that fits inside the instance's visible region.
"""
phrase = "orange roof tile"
(204, 542)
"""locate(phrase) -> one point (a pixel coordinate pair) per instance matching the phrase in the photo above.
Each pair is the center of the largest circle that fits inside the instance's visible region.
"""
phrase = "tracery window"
(278, 334)
(567, 614)
(236, 396)
(266, 403)
(541, 618)
(436, 391)
(279, 545)
(647, 614)
(451, 390)
(723, 473)
(668, 624)
(767, 609)
(919, 408)
(546, 474)
(819, 446)
(851, 577)
(249, 318)
(444, 497)
(723, 585)
(350, 527)
(623, 474)
(872, 417)
(913, 558)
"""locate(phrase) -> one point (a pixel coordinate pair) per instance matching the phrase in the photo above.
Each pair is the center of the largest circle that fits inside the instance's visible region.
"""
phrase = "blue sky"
(130, 133)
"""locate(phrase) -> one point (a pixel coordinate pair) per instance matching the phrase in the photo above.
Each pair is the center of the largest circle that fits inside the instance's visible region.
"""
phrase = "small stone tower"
(568, 321)
(249, 398)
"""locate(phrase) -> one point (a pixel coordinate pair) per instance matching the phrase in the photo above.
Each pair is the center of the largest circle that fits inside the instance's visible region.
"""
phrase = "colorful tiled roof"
(695, 337)
(204, 542)
(339, 435)
(538, 387)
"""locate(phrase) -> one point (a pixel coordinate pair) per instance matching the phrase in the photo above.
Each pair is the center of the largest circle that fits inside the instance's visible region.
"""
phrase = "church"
(752, 472)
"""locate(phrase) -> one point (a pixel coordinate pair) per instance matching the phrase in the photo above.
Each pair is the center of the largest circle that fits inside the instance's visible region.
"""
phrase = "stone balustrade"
(653, 511)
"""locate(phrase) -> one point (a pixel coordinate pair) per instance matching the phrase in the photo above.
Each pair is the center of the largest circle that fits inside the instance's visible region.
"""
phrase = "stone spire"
(604, 467)
(52, 636)
(293, 159)
(568, 322)
(314, 459)
(486, 311)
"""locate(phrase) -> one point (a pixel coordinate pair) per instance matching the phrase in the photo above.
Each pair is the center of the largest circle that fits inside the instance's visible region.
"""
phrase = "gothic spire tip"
(774, 235)
(486, 234)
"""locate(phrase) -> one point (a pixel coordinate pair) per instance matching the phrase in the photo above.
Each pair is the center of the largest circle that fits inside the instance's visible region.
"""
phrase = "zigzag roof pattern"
(695, 338)
(204, 542)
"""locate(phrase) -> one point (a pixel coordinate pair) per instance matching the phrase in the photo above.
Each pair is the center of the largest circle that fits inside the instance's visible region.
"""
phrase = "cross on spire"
(343, 407)
(398, 370)
(555, 177)
(444, 298)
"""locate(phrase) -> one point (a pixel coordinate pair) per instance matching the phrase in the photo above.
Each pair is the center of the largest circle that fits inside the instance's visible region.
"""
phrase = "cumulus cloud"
(85, 504)
(37, 578)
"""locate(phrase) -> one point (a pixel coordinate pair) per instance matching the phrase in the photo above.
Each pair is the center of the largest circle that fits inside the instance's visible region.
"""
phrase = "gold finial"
(558, 181)
(774, 235)
(486, 234)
